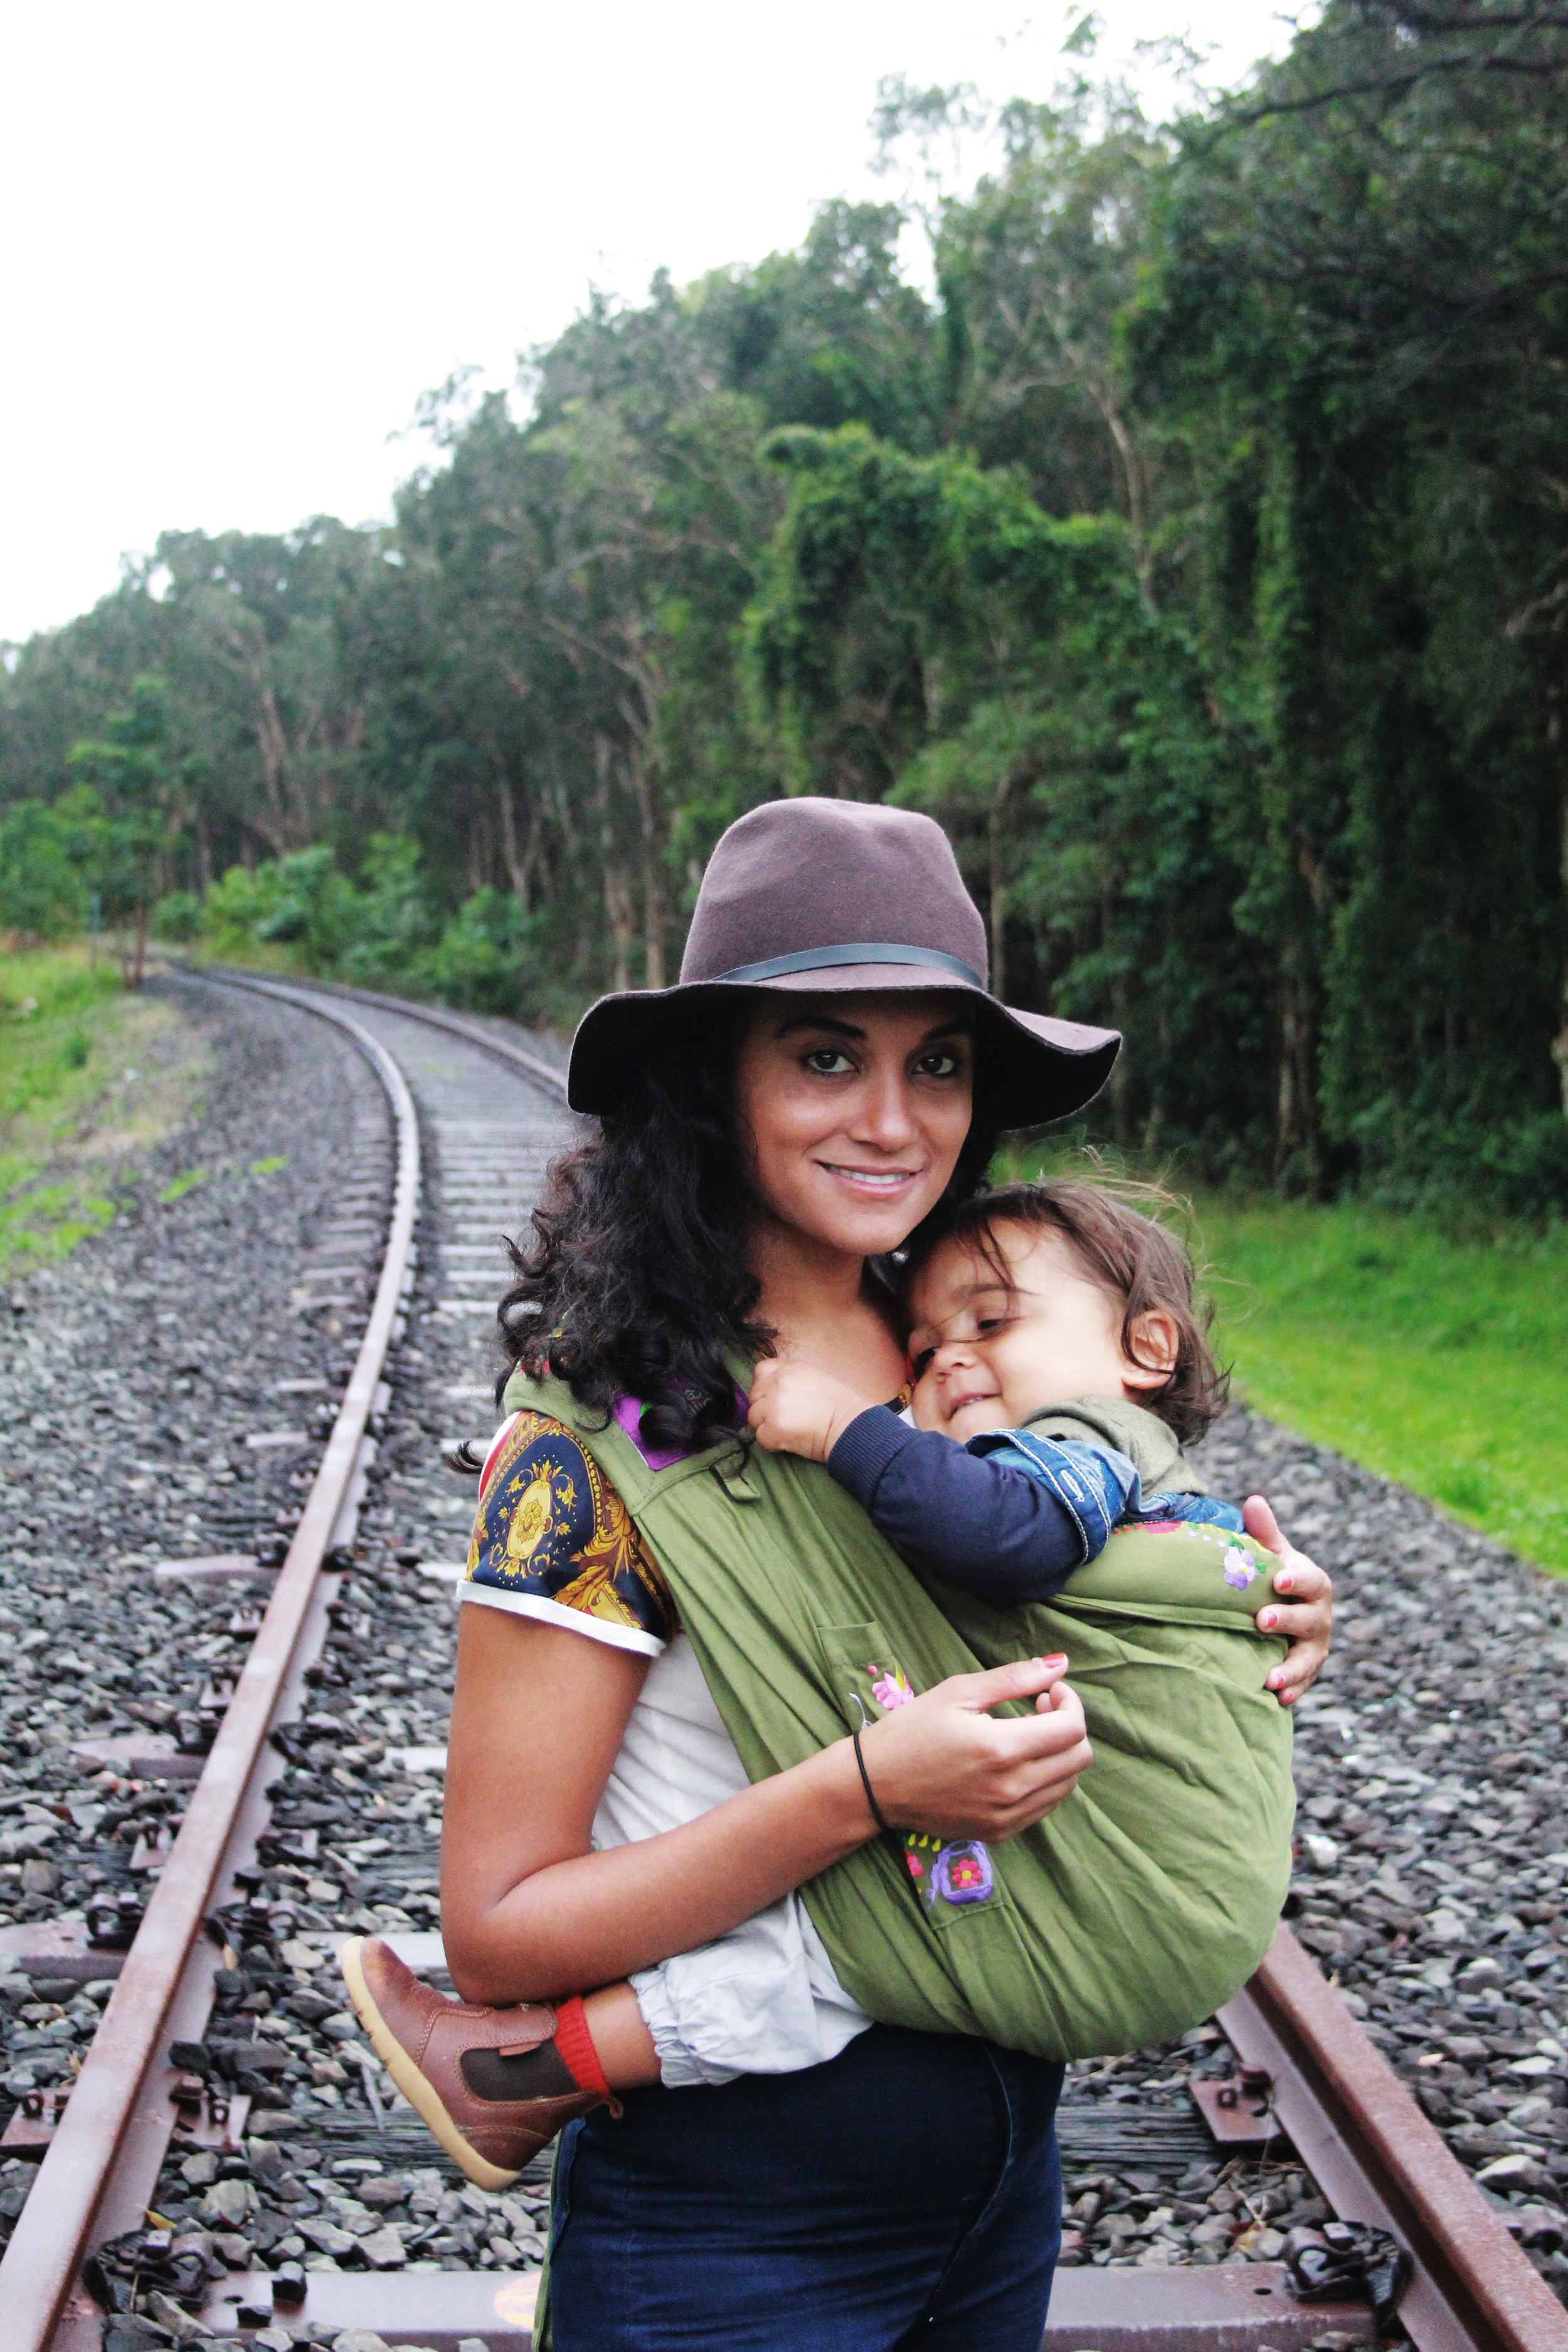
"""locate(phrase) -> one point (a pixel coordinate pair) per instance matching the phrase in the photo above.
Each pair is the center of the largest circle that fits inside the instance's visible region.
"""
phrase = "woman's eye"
(828, 1061)
(939, 1065)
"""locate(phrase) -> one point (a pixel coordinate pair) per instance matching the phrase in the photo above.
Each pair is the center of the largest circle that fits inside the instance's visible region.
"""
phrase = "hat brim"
(1041, 1068)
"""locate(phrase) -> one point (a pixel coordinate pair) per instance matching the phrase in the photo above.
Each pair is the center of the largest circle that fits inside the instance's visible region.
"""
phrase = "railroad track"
(162, 2108)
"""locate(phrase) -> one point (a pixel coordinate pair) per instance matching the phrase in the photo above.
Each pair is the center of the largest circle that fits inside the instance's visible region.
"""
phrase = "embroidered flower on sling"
(889, 1687)
(962, 1873)
(1239, 1571)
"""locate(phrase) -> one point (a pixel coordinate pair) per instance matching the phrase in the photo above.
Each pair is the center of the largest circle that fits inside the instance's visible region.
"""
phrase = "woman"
(827, 1073)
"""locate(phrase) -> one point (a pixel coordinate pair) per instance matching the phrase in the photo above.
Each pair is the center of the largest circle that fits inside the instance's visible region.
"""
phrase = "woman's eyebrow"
(956, 1027)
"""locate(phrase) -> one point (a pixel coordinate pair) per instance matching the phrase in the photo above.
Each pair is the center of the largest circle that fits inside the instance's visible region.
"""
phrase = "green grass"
(1439, 1362)
(53, 1005)
(91, 1077)
(178, 1186)
(48, 999)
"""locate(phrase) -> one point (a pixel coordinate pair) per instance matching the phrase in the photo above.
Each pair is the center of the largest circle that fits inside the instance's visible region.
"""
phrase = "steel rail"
(53, 2233)
(1377, 2158)
(434, 1016)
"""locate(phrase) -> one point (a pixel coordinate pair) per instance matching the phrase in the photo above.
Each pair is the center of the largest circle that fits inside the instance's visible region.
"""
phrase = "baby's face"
(988, 1354)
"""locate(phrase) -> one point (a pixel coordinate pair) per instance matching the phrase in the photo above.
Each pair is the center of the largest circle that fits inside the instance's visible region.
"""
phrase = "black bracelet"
(866, 1783)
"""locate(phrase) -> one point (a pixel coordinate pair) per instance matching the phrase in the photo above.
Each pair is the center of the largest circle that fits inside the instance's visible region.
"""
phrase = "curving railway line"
(200, 2148)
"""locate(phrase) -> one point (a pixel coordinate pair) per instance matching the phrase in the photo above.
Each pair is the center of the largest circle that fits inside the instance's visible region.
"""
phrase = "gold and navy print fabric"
(552, 1538)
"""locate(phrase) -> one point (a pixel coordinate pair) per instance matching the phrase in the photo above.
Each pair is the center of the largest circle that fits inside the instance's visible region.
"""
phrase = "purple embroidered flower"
(1239, 1571)
(962, 1872)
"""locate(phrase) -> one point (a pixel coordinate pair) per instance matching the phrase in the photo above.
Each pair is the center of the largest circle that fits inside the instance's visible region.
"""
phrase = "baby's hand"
(796, 1410)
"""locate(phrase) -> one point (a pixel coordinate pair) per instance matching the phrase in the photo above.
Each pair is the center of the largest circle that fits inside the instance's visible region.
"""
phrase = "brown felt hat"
(826, 896)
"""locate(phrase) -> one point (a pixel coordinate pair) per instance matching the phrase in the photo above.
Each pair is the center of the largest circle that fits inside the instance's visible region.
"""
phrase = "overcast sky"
(241, 241)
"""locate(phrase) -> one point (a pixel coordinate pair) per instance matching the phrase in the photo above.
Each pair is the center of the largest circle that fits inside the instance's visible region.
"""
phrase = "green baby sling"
(1130, 1913)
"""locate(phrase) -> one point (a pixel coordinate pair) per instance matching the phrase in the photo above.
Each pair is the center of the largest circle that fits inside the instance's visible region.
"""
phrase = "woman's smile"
(873, 1179)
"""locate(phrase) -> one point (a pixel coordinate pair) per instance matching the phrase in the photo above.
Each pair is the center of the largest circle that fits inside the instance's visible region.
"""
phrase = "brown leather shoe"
(452, 2061)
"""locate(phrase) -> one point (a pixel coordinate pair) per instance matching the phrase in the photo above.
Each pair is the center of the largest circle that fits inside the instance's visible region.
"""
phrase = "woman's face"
(856, 1109)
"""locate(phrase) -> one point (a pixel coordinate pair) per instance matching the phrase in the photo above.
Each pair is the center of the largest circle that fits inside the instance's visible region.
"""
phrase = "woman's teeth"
(873, 1181)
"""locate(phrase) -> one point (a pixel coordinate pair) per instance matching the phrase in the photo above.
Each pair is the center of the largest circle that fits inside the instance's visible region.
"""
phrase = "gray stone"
(384, 2249)
(1515, 2172)
(326, 2237)
(226, 2202)
(168, 2314)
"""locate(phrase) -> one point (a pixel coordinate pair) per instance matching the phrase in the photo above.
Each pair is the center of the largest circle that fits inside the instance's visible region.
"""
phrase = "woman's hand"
(941, 1762)
(1308, 1621)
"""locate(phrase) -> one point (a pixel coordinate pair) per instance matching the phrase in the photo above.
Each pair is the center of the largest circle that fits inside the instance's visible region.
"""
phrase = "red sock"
(575, 2044)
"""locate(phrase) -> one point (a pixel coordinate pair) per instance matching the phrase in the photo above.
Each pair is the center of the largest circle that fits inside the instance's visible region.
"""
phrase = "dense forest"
(1197, 551)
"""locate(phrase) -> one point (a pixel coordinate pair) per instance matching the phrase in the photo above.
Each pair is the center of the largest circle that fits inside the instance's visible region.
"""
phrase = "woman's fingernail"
(1057, 1658)
(1282, 1581)
(1268, 1620)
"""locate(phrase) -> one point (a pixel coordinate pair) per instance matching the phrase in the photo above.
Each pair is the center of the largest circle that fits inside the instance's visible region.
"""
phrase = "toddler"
(1060, 1367)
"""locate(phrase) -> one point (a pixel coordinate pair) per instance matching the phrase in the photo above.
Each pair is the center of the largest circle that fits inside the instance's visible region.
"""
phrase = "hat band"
(857, 951)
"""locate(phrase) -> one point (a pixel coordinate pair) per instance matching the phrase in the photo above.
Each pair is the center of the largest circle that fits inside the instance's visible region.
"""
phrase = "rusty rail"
(53, 2234)
(1376, 2157)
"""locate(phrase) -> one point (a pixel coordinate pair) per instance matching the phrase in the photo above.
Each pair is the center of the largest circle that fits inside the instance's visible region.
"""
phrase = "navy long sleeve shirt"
(1007, 1516)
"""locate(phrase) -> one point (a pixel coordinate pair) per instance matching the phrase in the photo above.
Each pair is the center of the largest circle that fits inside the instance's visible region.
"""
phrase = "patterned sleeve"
(552, 1539)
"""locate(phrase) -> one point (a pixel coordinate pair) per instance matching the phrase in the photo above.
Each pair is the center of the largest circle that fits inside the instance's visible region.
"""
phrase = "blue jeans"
(907, 2193)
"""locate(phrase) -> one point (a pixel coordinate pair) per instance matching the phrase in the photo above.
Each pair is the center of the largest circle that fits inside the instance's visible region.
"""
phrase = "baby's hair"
(1136, 1262)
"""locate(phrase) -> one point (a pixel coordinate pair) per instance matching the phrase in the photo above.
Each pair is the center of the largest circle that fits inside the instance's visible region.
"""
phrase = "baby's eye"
(921, 1362)
(828, 1061)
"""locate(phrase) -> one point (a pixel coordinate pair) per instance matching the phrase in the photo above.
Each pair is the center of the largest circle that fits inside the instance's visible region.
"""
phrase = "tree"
(1358, 327)
(129, 772)
(42, 894)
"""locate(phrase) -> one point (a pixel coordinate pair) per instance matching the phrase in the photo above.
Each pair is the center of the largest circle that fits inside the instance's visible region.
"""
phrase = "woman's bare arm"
(530, 1911)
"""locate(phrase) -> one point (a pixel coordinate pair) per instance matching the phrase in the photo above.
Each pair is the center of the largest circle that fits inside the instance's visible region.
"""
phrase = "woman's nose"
(887, 1109)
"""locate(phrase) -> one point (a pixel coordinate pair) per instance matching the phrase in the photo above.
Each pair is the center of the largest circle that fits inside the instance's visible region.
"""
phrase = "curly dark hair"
(1133, 1258)
(638, 1280)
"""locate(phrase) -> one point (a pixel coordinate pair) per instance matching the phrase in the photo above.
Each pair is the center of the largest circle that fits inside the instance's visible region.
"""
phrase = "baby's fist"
(796, 1410)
